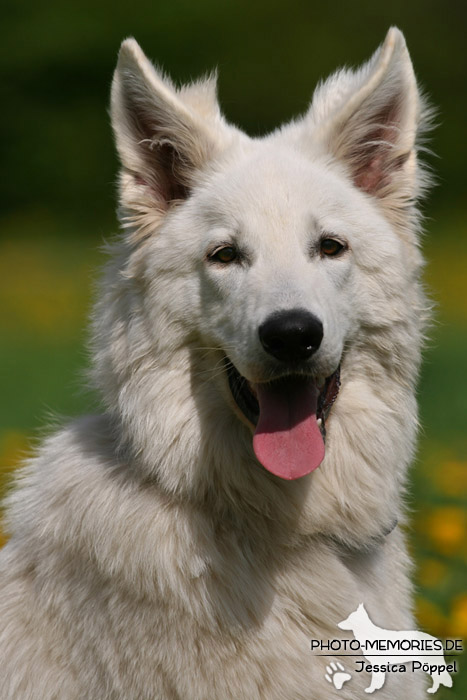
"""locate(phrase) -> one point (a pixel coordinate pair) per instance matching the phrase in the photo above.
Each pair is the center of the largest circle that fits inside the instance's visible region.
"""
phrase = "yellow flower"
(446, 527)
(14, 447)
(451, 477)
(458, 619)
(431, 573)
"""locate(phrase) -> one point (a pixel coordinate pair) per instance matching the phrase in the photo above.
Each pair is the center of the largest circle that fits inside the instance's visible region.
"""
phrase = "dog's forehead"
(274, 186)
(268, 171)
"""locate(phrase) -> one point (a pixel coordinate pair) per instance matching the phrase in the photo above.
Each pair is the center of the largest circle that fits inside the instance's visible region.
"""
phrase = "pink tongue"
(287, 440)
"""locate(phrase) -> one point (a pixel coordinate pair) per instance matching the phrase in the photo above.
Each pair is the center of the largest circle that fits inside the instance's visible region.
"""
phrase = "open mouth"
(289, 415)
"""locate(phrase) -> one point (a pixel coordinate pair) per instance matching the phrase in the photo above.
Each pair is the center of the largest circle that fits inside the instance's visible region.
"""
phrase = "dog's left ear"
(164, 136)
(368, 120)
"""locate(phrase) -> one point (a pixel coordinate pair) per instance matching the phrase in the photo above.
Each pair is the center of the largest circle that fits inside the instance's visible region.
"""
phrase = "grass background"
(57, 201)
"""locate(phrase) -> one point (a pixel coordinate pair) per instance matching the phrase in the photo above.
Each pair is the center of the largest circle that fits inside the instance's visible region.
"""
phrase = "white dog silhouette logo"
(373, 639)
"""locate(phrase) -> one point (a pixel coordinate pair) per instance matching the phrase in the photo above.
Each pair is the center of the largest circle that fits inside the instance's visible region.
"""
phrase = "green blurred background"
(57, 205)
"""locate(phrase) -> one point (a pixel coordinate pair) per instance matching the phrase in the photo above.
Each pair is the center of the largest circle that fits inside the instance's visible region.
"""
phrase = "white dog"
(409, 642)
(256, 344)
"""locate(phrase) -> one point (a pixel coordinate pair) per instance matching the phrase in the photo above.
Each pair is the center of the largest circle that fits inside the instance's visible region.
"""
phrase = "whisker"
(219, 368)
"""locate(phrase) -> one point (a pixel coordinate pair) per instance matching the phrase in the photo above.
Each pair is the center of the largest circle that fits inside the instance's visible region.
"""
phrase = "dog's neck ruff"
(366, 546)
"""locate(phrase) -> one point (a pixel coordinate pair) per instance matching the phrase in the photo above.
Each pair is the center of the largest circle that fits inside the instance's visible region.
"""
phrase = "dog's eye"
(224, 255)
(331, 247)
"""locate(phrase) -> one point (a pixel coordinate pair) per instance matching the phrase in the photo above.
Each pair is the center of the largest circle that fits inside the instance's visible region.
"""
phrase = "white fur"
(151, 555)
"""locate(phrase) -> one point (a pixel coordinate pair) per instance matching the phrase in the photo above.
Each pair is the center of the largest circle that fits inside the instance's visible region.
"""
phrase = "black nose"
(291, 335)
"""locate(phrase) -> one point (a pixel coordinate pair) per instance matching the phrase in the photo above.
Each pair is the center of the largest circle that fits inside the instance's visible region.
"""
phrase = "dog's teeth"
(319, 421)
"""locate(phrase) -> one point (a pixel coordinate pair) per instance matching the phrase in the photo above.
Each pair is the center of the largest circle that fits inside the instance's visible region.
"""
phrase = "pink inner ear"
(371, 177)
(375, 162)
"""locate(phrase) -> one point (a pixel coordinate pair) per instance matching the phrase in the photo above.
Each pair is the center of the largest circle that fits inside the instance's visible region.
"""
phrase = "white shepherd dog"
(256, 344)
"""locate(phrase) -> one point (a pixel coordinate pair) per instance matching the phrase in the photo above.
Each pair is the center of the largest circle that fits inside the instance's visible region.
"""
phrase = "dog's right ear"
(164, 136)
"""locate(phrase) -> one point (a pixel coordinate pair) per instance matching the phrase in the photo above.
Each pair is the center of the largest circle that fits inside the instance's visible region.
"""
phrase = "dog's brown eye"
(224, 255)
(329, 246)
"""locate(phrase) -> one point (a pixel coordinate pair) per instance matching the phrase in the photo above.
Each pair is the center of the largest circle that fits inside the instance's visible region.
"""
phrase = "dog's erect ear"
(369, 119)
(164, 135)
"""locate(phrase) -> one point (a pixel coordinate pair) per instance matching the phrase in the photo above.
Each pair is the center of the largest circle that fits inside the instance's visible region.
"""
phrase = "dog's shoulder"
(54, 489)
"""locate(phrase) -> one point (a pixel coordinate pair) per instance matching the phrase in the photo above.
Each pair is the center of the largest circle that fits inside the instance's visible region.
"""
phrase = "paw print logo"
(337, 675)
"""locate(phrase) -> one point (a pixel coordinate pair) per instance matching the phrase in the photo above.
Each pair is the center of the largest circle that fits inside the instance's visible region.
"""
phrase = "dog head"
(268, 286)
